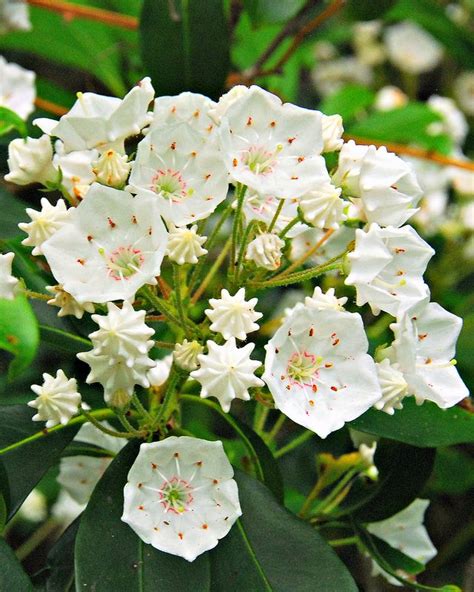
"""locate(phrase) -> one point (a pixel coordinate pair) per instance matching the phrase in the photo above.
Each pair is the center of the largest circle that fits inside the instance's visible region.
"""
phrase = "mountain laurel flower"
(226, 100)
(30, 160)
(394, 387)
(464, 91)
(77, 173)
(44, 223)
(317, 370)
(104, 123)
(389, 98)
(423, 351)
(112, 169)
(325, 300)
(185, 244)
(193, 109)
(265, 251)
(8, 282)
(35, 507)
(262, 208)
(184, 174)
(453, 122)
(412, 49)
(57, 399)
(273, 148)
(158, 374)
(14, 16)
(383, 185)
(180, 495)
(233, 316)
(332, 132)
(112, 246)
(323, 207)
(67, 304)
(386, 267)
(227, 372)
(186, 354)
(17, 88)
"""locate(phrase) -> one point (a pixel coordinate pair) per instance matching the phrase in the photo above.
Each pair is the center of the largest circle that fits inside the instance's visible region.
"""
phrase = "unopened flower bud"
(265, 251)
(112, 169)
(186, 354)
(332, 132)
(31, 161)
(185, 245)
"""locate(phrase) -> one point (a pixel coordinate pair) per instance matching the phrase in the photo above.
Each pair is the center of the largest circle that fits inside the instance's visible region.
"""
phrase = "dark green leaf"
(425, 425)
(25, 266)
(348, 102)
(9, 120)
(13, 211)
(118, 559)
(185, 45)
(63, 340)
(268, 549)
(61, 561)
(453, 472)
(269, 11)
(12, 576)
(19, 333)
(26, 453)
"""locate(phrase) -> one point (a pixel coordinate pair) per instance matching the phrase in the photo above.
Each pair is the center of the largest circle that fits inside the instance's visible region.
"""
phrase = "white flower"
(453, 122)
(180, 496)
(227, 372)
(77, 172)
(265, 251)
(17, 88)
(390, 97)
(159, 372)
(67, 304)
(101, 122)
(181, 172)
(191, 108)
(233, 316)
(186, 354)
(463, 181)
(226, 100)
(185, 244)
(14, 16)
(323, 207)
(8, 282)
(317, 370)
(35, 507)
(394, 387)
(411, 48)
(332, 132)
(112, 246)
(44, 223)
(381, 184)
(325, 300)
(387, 265)
(263, 208)
(30, 160)
(271, 147)
(464, 91)
(330, 76)
(405, 532)
(423, 349)
(57, 399)
(112, 169)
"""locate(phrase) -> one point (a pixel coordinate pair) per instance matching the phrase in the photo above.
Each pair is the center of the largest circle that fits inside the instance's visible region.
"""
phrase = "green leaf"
(118, 559)
(348, 102)
(453, 472)
(185, 45)
(269, 11)
(26, 452)
(24, 265)
(424, 425)
(269, 549)
(9, 120)
(19, 333)
(12, 576)
(63, 340)
(60, 561)
(13, 211)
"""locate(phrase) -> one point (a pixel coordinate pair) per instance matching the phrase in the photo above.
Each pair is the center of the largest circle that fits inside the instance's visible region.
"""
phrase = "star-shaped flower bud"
(112, 169)
(57, 399)
(30, 160)
(186, 354)
(323, 207)
(44, 223)
(394, 387)
(325, 300)
(180, 496)
(17, 88)
(265, 251)
(68, 304)
(227, 372)
(185, 244)
(8, 282)
(233, 316)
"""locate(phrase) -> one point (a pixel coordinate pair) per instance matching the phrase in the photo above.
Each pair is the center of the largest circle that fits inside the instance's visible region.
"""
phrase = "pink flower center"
(259, 160)
(303, 368)
(170, 185)
(176, 495)
(124, 262)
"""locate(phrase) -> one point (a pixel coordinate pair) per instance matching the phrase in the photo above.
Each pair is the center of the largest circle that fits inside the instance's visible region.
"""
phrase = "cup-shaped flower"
(8, 282)
(271, 147)
(30, 160)
(17, 88)
(57, 399)
(191, 108)
(180, 496)
(317, 370)
(112, 246)
(44, 223)
(233, 316)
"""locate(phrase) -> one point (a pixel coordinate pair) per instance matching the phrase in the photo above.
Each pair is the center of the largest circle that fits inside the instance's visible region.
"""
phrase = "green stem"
(242, 250)
(212, 272)
(275, 429)
(37, 295)
(165, 344)
(36, 539)
(179, 302)
(261, 414)
(140, 408)
(240, 191)
(102, 428)
(325, 505)
(281, 203)
(298, 441)
(354, 540)
(168, 396)
(164, 307)
(289, 226)
(128, 426)
(301, 276)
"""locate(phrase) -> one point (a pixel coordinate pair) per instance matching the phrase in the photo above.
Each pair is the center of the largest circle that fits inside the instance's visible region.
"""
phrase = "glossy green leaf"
(26, 452)
(453, 472)
(118, 559)
(269, 11)
(13, 211)
(185, 45)
(19, 333)
(12, 576)
(60, 561)
(348, 102)
(269, 549)
(424, 425)
(63, 340)
(9, 121)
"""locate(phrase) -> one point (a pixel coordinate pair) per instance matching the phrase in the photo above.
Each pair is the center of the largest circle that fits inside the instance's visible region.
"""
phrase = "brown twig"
(416, 152)
(50, 107)
(309, 253)
(70, 11)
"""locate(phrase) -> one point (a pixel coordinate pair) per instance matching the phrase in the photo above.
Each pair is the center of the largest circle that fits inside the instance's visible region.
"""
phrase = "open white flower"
(390, 97)
(233, 316)
(57, 399)
(191, 108)
(317, 370)
(112, 169)
(411, 48)
(332, 132)
(464, 91)
(185, 244)
(387, 266)
(158, 374)
(101, 122)
(186, 354)
(323, 207)
(325, 300)
(394, 387)
(35, 507)
(8, 282)
(263, 208)
(226, 100)
(379, 182)
(181, 172)
(112, 246)
(331, 75)
(180, 496)
(271, 147)
(30, 160)
(227, 372)
(14, 16)
(17, 88)
(67, 304)
(265, 250)
(453, 122)
(77, 172)
(44, 223)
